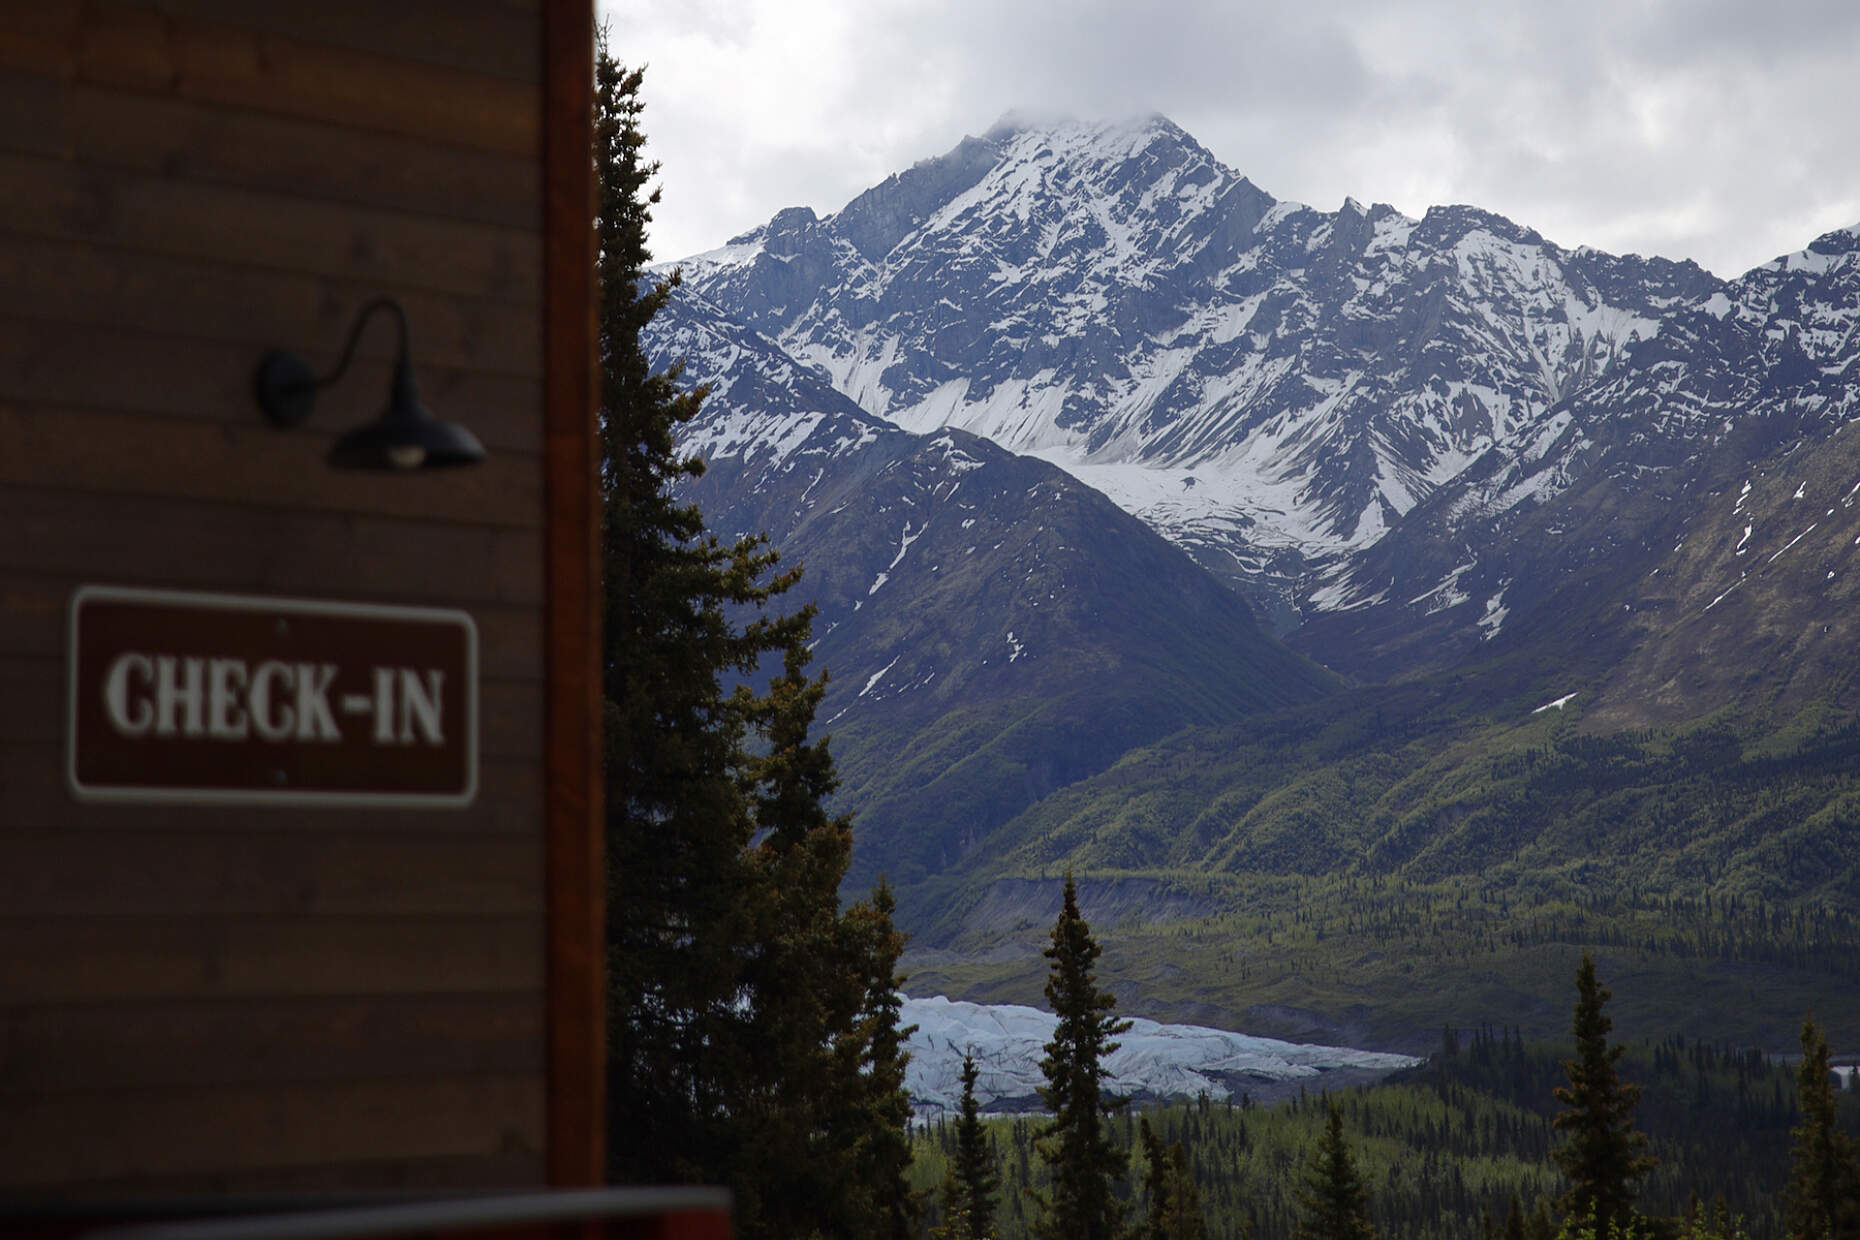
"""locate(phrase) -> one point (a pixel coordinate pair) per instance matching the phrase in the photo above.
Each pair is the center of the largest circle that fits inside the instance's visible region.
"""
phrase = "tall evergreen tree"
(969, 1192)
(753, 1021)
(1333, 1202)
(1173, 1202)
(1082, 1203)
(1155, 1182)
(1822, 1200)
(1603, 1154)
(676, 823)
(873, 1057)
(1515, 1219)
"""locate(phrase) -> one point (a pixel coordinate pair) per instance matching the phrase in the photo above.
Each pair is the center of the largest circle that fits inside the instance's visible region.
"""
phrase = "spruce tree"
(677, 825)
(1082, 1203)
(1173, 1203)
(969, 1192)
(874, 1059)
(1155, 1182)
(1333, 1202)
(1822, 1200)
(1183, 1220)
(1603, 1155)
(753, 1021)
(1515, 1219)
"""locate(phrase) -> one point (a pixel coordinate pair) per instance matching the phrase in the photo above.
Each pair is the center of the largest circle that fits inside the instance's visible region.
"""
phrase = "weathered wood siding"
(210, 998)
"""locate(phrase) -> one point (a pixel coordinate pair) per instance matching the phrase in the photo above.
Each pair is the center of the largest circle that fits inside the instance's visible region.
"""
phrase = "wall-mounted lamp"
(406, 436)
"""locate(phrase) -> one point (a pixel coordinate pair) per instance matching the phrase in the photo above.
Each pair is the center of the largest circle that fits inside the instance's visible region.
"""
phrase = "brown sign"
(211, 698)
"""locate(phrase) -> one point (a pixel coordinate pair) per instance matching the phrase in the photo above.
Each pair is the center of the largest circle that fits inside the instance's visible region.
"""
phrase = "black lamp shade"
(406, 438)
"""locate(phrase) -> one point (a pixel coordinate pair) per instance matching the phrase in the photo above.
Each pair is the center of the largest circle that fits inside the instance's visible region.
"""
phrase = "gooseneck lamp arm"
(406, 436)
(286, 386)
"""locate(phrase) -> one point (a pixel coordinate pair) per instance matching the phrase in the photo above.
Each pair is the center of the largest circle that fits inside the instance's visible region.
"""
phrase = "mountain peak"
(1016, 121)
(1456, 220)
(1020, 133)
(1837, 241)
(1822, 255)
(1020, 120)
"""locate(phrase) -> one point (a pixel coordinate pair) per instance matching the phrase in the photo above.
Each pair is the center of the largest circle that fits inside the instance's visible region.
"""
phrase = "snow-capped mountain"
(1267, 384)
(1417, 439)
(994, 629)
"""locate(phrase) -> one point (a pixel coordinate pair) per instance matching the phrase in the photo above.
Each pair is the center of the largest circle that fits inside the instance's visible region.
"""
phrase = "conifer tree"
(971, 1205)
(1174, 1202)
(1514, 1219)
(875, 1059)
(677, 826)
(1155, 1181)
(1082, 1203)
(753, 1021)
(1333, 1203)
(1540, 1226)
(969, 1189)
(1183, 1220)
(1604, 1155)
(1822, 1200)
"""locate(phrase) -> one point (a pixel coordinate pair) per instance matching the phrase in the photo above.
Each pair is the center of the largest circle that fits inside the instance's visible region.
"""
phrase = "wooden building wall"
(198, 998)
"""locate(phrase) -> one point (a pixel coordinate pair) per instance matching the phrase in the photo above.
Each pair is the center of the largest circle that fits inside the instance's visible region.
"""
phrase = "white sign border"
(282, 798)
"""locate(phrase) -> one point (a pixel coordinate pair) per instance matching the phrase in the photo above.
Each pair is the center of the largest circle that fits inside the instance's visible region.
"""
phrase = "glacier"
(1153, 1061)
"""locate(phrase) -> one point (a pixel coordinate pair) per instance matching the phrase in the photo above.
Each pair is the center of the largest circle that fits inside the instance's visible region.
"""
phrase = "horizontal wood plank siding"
(238, 65)
(238, 873)
(250, 465)
(489, 40)
(278, 550)
(194, 1130)
(82, 1048)
(50, 198)
(232, 955)
(157, 373)
(33, 798)
(216, 998)
(79, 284)
(260, 152)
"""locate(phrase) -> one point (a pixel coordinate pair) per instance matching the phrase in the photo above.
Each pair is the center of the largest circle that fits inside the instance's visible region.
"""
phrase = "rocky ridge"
(1271, 386)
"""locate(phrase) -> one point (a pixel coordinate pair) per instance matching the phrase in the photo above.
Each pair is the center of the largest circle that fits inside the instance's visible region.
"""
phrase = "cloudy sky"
(1724, 131)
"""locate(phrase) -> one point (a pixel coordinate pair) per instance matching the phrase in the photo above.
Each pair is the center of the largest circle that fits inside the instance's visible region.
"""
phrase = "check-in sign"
(227, 699)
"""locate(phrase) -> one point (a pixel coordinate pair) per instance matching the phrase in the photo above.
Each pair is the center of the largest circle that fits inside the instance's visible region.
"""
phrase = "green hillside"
(1317, 875)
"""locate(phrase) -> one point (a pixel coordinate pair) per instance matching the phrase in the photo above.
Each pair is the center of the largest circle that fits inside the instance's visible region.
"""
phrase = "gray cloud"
(1777, 36)
(1102, 56)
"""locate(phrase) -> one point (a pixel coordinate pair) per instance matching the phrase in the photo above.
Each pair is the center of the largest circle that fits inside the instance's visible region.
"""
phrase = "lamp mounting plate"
(286, 388)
